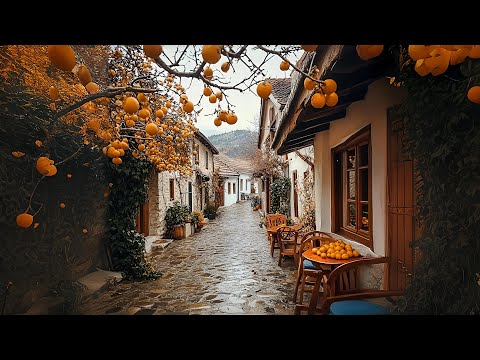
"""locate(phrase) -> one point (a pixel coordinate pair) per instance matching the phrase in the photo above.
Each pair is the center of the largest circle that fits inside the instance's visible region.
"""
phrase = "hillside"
(237, 144)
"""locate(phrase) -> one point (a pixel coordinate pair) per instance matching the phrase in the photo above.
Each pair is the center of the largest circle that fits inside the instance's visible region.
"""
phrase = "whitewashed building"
(364, 181)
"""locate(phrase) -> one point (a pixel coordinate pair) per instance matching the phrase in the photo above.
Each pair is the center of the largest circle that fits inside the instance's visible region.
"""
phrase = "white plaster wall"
(372, 110)
(230, 198)
(246, 184)
(295, 162)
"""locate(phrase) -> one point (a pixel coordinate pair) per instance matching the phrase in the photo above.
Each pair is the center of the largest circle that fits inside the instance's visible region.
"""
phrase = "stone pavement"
(226, 268)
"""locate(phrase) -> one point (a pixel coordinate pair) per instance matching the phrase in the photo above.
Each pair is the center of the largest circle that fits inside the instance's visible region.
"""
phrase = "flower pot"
(178, 232)
(211, 216)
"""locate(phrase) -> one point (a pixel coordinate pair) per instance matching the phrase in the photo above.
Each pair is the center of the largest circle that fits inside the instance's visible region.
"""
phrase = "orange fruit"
(439, 61)
(53, 92)
(309, 48)
(418, 52)
(130, 105)
(329, 87)
(323, 255)
(207, 91)
(24, 220)
(62, 205)
(458, 56)
(84, 75)
(62, 57)
(208, 73)
(264, 89)
(374, 51)
(338, 256)
(141, 147)
(284, 65)
(43, 163)
(211, 53)
(85, 231)
(130, 123)
(164, 110)
(111, 152)
(168, 104)
(51, 170)
(345, 256)
(144, 113)
(124, 145)
(222, 115)
(151, 129)
(231, 119)
(225, 66)
(309, 84)
(331, 100)
(314, 250)
(212, 98)
(362, 51)
(322, 249)
(117, 160)
(475, 52)
(217, 122)
(421, 67)
(355, 253)
(121, 152)
(141, 97)
(152, 51)
(350, 253)
(318, 100)
(159, 113)
(188, 107)
(474, 94)
(219, 95)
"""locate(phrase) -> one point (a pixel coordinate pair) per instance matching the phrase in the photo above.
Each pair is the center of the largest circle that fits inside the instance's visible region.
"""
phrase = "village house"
(363, 181)
(167, 187)
(298, 164)
(235, 180)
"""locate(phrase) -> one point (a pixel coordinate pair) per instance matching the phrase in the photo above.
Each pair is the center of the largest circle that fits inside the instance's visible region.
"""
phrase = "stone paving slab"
(226, 268)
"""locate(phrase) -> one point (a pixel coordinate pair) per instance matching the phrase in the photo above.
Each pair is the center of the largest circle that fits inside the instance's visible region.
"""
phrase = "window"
(263, 185)
(241, 184)
(229, 188)
(172, 189)
(206, 159)
(351, 212)
(234, 188)
(295, 193)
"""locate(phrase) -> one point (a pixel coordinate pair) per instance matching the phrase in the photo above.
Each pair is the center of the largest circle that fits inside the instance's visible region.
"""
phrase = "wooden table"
(325, 264)
(273, 229)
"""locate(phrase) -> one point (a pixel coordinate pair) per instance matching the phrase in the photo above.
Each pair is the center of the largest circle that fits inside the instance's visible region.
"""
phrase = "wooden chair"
(274, 220)
(287, 243)
(343, 296)
(307, 272)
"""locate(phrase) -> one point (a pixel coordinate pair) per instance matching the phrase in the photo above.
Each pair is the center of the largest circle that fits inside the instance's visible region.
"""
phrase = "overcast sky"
(247, 104)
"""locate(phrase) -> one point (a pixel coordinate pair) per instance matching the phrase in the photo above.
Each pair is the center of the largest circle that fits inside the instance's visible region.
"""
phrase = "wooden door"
(142, 219)
(190, 196)
(401, 207)
(295, 193)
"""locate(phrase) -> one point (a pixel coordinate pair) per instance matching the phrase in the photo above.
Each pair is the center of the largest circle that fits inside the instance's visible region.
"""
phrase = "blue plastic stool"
(357, 307)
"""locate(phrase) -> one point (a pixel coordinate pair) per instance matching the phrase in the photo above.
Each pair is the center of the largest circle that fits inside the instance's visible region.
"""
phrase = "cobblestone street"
(226, 268)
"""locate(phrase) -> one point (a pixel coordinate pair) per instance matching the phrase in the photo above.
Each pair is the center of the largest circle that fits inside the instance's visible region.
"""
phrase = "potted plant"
(210, 210)
(175, 218)
(197, 220)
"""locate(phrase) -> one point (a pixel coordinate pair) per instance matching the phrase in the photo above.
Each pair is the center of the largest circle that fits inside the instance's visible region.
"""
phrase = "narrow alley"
(224, 269)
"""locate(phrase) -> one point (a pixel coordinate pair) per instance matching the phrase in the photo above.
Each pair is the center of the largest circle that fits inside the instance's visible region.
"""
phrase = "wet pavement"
(225, 268)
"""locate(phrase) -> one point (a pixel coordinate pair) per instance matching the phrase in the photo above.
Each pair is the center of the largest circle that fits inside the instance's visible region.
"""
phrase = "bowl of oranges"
(336, 250)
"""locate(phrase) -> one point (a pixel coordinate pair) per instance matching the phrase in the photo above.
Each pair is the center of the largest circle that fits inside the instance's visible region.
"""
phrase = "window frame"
(206, 159)
(234, 188)
(339, 188)
(229, 188)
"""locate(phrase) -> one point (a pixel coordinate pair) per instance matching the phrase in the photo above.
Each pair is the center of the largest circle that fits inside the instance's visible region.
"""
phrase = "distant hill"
(237, 144)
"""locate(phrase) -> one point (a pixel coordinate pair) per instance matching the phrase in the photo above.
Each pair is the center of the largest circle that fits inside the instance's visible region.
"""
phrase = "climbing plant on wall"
(442, 131)
(128, 191)
(279, 195)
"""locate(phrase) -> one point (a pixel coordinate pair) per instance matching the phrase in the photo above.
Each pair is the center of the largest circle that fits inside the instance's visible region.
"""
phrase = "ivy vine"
(129, 184)
(280, 195)
(442, 132)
